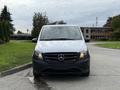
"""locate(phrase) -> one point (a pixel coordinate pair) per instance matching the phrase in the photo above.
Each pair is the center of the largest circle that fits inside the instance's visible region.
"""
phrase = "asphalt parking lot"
(105, 75)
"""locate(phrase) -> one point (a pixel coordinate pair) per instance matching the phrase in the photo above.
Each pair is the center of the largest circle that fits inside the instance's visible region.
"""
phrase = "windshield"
(61, 33)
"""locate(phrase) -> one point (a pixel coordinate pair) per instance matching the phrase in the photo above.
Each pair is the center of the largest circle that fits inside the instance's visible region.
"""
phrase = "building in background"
(97, 33)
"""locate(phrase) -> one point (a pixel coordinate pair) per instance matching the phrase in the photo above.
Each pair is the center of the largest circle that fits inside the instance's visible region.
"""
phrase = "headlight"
(38, 55)
(83, 54)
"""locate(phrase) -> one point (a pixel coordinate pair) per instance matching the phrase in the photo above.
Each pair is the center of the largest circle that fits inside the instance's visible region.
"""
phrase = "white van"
(61, 49)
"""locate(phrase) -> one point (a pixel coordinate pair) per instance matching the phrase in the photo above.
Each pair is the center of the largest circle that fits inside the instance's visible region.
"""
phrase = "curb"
(16, 69)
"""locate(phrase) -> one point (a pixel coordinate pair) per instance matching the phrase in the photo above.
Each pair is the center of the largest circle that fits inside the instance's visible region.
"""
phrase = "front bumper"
(77, 67)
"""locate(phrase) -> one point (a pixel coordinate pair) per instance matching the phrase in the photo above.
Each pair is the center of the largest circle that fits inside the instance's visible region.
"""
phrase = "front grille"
(63, 57)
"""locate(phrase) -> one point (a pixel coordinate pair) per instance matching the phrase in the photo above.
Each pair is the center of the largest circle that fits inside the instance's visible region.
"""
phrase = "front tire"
(36, 75)
(86, 74)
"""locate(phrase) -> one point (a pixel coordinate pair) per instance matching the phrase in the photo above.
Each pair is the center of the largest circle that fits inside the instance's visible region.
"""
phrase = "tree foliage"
(6, 27)
(114, 23)
(109, 22)
(39, 19)
(6, 16)
(57, 22)
(19, 32)
(116, 34)
(116, 27)
(4, 31)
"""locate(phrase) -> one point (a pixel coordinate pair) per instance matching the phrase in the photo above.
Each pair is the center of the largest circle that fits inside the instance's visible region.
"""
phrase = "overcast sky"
(80, 12)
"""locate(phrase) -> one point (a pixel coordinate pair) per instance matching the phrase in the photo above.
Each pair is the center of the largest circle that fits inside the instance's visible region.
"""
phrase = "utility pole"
(96, 21)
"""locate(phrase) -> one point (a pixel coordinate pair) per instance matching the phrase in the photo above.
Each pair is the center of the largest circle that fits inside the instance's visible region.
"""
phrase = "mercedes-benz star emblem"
(60, 57)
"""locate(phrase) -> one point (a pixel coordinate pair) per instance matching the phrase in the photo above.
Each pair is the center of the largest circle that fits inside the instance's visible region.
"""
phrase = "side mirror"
(87, 40)
(34, 40)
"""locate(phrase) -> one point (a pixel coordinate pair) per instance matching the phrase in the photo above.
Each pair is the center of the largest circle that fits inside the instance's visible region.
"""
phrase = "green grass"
(15, 53)
(112, 44)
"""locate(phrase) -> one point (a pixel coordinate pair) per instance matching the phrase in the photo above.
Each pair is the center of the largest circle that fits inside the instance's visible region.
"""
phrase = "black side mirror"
(87, 40)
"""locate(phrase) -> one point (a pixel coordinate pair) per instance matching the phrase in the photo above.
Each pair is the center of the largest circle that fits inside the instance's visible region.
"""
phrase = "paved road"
(105, 75)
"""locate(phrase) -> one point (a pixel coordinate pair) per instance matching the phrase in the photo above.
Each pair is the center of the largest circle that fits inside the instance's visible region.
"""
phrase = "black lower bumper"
(77, 67)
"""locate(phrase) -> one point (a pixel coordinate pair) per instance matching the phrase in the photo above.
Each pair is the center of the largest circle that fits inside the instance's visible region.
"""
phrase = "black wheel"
(36, 75)
(86, 74)
(88, 68)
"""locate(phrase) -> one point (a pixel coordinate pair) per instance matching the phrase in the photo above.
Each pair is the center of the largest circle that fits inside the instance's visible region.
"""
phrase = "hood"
(61, 46)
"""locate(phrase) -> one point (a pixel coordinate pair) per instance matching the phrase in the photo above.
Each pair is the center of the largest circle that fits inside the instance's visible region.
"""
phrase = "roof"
(98, 27)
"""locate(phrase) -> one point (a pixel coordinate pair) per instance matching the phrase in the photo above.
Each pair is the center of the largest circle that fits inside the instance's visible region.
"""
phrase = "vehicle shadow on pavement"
(41, 83)
(64, 78)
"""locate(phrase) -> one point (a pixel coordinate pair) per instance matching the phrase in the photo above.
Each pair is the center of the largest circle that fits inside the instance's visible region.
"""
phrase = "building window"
(82, 31)
(87, 36)
(86, 30)
(91, 36)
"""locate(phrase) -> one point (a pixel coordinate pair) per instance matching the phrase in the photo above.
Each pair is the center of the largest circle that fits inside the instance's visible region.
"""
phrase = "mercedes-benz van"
(61, 49)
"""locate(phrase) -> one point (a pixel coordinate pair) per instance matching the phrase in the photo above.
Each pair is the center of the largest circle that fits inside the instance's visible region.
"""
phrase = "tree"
(116, 34)
(1, 32)
(61, 22)
(114, 23)
(4, 31)
(19, 32)
(39, 19)
(116, 27)
(58, 22)
(109, 22)
(6, 16)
